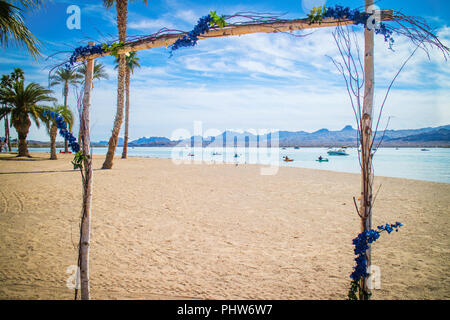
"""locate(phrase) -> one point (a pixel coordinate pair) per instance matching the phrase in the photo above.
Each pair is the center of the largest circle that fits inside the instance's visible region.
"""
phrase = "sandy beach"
(166, 231)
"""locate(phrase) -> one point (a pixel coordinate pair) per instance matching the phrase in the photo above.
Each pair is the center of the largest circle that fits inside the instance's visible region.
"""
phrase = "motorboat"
(337, 152)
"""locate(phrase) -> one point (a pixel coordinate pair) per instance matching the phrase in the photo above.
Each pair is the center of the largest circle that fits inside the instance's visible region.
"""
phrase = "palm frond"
(108, 3)
(4, 111)
(31, 4)
(99, 71)
(14, 31)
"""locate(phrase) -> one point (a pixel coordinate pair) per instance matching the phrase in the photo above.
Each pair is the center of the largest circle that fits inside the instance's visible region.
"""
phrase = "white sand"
(162, 231)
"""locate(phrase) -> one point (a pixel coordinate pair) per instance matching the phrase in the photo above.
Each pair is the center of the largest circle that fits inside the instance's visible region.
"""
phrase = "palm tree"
(98, 74)
(122, 11)
(6, 82)
(52, 129)
(17, 74)
(21, 103)
(12, 26)
(132, 62)
(65, 76)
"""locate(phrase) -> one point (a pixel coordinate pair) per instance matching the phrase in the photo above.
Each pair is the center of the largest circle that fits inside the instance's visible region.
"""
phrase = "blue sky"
(260, 81)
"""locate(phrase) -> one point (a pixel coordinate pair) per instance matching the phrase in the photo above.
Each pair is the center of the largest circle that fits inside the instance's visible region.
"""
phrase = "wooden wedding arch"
(365, 205)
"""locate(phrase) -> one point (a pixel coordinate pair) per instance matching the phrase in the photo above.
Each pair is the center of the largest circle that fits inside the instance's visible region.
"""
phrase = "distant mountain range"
(425, 137)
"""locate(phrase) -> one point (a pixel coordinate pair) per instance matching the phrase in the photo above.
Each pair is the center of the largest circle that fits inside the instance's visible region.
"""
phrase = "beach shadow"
(14, 157)
(44, 171)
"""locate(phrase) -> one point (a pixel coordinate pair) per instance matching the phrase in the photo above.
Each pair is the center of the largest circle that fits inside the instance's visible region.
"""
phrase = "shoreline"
(117, 157)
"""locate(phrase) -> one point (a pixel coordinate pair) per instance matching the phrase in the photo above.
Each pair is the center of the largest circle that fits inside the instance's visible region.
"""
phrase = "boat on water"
(190, 155)
(337, 152)
(216, 154)
(424, 149)
(296, 148)
(320, 159)
(236, 155)
(287, 159)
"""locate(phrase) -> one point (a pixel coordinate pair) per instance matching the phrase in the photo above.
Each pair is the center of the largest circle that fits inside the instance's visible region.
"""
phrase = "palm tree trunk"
(66, 94)
(121, 7)
(53, 132)
(22, 132)
(127, 113)
(7, 135)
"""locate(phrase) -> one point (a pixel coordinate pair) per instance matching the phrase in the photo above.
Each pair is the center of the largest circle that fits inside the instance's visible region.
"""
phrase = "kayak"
(323, 160)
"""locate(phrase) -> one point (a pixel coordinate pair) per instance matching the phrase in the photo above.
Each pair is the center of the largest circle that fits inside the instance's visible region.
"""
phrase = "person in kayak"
(320, 158)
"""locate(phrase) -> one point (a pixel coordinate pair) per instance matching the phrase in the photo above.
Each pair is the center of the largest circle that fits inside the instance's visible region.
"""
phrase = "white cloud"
(151, 24)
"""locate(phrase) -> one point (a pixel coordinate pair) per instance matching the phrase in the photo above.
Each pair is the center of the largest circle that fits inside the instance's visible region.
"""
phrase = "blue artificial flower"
(63, 132)
(340, 12)
(191, 38)
(361, 243)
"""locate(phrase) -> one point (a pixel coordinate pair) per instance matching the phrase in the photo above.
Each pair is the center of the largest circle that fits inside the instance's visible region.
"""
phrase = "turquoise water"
(411, 163)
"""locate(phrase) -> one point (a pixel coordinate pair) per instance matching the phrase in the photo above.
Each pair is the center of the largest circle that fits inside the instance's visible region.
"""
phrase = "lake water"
(411, 163)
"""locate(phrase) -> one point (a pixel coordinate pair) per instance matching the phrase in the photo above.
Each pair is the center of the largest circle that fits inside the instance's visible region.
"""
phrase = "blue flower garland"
(340, 12)
(85, 51)
(62, 126)
(191, 38)
(362, 244)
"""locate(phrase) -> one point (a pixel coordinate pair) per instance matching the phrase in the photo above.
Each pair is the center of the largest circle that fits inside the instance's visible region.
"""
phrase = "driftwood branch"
(85, 227)
(163, 39)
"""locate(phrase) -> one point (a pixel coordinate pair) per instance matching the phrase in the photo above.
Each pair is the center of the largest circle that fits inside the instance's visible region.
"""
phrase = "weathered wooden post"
(87, 183)
(366, 141)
